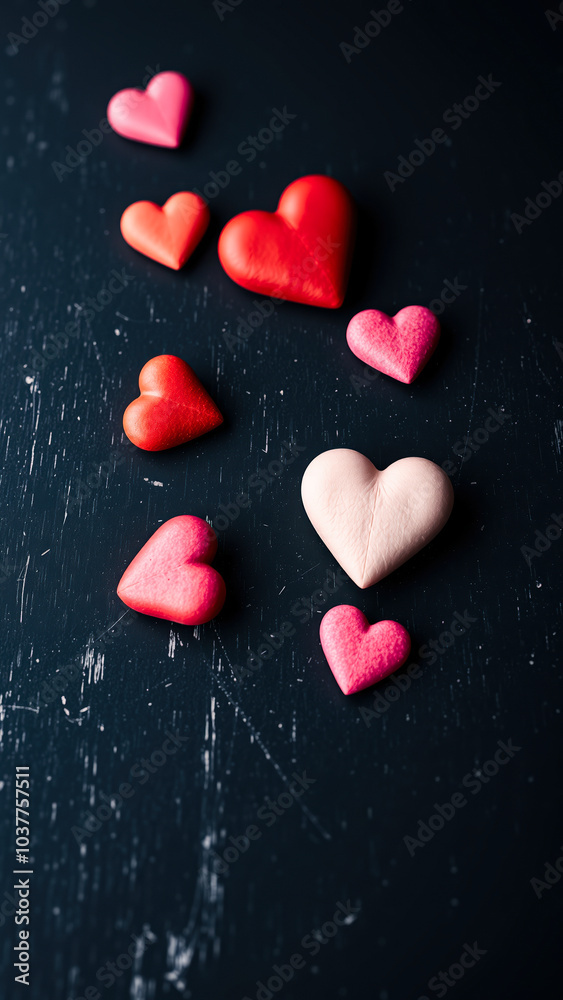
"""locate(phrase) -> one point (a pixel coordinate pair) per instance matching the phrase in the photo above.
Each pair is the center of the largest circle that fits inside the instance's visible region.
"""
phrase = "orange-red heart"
(302, 251)
(173, 406)
(169, 234)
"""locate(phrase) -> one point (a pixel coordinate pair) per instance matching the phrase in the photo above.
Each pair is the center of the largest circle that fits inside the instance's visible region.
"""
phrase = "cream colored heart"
(374, 521)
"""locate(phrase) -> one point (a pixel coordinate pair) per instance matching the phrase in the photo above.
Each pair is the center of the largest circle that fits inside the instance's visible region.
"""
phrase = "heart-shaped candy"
(360, 654)
(157, 115)
(169, 234)
(374, 521)
(302, 251)
(170, 576)
(398, 345)
(173, 406)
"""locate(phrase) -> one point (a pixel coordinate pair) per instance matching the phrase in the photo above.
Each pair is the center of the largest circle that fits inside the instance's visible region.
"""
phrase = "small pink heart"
(399, 345)
(360, 654)
(157, 115)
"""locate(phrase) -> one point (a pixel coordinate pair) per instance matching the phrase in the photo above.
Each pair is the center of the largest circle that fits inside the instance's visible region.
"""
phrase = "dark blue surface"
(149, 866)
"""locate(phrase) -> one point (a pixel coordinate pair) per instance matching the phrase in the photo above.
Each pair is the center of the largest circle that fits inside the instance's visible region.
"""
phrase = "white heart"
(374, 521)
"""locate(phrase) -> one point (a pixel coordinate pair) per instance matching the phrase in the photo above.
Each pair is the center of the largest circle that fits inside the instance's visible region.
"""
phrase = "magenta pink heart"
(360, 654)
(399, 345)
(157, 115)
(170, 577)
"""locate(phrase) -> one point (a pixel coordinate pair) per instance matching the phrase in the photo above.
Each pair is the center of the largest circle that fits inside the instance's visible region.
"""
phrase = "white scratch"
(23, 587)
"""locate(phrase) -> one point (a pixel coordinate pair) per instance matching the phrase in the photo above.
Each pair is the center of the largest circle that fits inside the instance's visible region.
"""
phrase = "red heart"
(169, 234)
(170, 576)
(173, 406)
(360, 654)
(302, 251)
(399, 345)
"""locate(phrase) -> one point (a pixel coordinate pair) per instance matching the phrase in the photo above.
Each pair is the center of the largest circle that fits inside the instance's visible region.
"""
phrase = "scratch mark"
(23, 588)
(21, 708)
(308, 571)
(256, 736)
(112, 626)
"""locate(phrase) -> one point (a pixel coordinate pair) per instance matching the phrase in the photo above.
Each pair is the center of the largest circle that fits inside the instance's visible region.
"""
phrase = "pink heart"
(399, 345)
(157, 115)
(170, 577)
(360, 654)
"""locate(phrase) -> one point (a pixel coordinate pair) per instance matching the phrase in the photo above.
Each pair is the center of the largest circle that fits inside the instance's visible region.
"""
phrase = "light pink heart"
(374, 521)
(157, 115)
(360, 654)
(399, 345)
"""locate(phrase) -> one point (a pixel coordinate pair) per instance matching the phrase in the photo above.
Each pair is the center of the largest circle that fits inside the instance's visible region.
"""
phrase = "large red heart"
(398, 345)
(170, 577)
(302, 251)
(173, 406)
(157, 115)
(169, 234)
(360, 654)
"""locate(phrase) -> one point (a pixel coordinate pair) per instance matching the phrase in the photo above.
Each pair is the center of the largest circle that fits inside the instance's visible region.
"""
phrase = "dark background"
(145, 868)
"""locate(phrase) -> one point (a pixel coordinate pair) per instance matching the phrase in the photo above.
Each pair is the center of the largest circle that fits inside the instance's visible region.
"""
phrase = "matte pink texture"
(170, 576)
(374, 521)
(360, 654)
(399, 345)
(157, 115)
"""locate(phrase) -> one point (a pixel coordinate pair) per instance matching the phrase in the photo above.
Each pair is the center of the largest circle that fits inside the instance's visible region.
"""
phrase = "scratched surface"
(77, 502)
